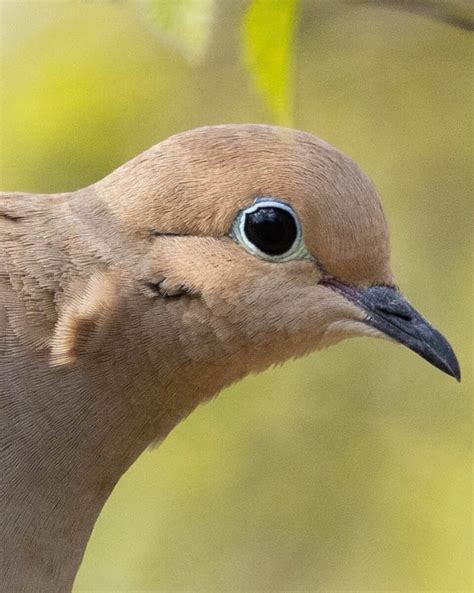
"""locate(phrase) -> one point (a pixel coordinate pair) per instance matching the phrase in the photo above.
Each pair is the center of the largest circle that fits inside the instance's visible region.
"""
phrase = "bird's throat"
(58, 473)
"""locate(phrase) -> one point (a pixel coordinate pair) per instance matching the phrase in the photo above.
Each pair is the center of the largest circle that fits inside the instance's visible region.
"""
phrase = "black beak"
(389, 312)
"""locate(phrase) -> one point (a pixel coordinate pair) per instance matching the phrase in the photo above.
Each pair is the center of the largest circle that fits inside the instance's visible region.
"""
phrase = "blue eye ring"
(296, 251)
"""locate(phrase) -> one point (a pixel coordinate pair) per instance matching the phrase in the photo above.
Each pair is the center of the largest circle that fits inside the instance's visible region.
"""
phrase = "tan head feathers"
(194, 183)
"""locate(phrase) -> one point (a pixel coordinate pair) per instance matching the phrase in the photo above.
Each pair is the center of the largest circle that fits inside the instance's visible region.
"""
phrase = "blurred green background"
(350, 470)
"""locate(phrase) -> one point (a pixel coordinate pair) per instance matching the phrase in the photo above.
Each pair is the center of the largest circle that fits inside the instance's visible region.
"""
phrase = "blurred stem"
(268, 32)
(446, 12)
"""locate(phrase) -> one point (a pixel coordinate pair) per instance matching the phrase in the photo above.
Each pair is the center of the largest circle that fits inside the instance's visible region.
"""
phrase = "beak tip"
(447, 361)
(455, 371)
(442, 357)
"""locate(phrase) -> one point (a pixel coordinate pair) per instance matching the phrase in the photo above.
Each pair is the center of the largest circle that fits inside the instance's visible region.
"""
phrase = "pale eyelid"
(298, 251)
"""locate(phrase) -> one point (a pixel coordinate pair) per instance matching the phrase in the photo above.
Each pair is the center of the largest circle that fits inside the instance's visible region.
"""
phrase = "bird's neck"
(58, 471)
(65, 451)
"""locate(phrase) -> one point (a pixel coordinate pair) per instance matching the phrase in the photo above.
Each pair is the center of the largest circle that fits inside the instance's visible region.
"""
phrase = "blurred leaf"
(457, 14)
(268, 35)
(185, 25)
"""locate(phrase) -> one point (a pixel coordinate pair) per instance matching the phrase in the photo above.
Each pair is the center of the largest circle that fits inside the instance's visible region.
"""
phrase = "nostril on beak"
(395, 312)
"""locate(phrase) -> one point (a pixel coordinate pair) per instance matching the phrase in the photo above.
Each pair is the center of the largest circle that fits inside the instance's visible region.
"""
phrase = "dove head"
(266, 243)
(216, 253)
(195, 183)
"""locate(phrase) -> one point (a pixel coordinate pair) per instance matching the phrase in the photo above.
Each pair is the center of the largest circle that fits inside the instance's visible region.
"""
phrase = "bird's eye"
(271, 230)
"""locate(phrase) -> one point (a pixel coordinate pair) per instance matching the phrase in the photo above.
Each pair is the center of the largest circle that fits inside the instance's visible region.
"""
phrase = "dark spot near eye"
(159, 289)
(11, 217)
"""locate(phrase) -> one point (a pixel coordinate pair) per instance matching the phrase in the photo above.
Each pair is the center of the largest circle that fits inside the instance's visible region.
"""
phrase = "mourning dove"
(218, 252)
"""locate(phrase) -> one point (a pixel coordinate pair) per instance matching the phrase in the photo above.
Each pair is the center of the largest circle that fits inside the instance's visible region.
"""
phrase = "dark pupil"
(272, 230)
